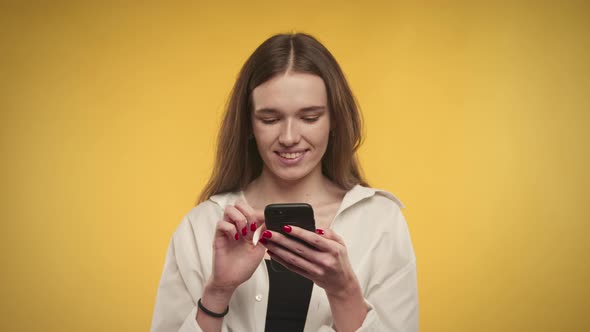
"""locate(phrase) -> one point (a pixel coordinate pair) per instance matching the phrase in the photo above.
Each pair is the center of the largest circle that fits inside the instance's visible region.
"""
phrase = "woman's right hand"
(235, 256)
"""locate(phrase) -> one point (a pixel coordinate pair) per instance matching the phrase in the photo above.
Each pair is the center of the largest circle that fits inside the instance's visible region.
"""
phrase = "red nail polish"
(267, 234)
(287, 228)
(253, 227)
(263, 240)
(319, 231)
(237, 236)
(244, 231)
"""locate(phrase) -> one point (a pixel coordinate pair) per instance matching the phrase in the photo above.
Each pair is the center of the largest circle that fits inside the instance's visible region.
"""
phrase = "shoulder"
(202, 218)
(384, 212)
(213, 207)
(373, 198)
(379, 208)
(385, 199)
(374, 222)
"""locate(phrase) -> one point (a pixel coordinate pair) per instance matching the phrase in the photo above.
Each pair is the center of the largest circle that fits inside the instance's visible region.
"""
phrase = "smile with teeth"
(291, 155)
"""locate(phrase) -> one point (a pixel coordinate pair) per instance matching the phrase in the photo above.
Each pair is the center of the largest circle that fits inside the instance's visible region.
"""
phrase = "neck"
(270, 189)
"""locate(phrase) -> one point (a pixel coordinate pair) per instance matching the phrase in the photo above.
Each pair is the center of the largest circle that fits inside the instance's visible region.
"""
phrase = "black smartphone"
(295, 214)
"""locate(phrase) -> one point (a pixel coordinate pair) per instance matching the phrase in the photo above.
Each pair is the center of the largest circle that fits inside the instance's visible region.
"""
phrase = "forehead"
(290, 92)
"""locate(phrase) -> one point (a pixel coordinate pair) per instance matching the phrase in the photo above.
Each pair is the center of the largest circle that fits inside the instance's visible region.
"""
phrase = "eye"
(310, 118)
(269, 120)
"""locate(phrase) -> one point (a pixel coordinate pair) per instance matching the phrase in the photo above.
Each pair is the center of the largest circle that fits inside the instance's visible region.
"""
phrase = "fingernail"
(253, 227)
(244, 231)
(263, 241)
(237, 236)
(287, 228)
(267, 234)
(319, 231)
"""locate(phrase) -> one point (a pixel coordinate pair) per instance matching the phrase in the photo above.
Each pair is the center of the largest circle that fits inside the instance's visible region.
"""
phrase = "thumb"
(259, 215)
(261, 227)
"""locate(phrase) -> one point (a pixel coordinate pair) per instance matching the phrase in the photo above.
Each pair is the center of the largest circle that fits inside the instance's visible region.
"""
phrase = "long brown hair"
(238, 162)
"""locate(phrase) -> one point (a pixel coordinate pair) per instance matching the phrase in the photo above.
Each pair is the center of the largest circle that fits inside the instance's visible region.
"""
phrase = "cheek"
(263, 135)
(320, 134)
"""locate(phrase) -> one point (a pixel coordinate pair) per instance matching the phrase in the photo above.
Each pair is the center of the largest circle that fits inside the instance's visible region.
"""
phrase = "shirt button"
(258, 297)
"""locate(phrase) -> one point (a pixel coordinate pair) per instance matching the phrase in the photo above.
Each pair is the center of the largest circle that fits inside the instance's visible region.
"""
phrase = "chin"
(291, 175)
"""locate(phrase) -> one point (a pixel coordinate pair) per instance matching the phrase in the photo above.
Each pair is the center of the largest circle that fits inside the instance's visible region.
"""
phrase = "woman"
(290, 134)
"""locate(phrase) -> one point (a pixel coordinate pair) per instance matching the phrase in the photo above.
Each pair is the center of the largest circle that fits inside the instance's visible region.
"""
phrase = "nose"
(289, 135)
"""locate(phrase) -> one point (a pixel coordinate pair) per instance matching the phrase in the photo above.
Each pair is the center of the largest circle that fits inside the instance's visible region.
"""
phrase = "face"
(291, 125)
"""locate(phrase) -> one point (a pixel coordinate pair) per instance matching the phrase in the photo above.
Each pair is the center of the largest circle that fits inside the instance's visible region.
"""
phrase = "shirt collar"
(353, 196)
(224, 199)
(359, 193)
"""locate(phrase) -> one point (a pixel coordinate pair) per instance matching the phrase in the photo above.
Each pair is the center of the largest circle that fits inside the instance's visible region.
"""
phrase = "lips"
(290, 157)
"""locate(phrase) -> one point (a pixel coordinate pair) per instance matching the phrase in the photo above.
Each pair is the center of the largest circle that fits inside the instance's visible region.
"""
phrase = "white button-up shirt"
(379, 249)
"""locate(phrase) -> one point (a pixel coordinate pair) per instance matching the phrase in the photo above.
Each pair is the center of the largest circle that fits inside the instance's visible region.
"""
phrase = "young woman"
(290, 134)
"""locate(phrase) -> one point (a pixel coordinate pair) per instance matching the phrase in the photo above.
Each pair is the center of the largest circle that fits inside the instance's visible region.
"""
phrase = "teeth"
(293, 155)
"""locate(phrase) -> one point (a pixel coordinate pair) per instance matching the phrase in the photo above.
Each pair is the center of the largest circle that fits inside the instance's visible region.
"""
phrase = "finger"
(293, 262)
(257, 236)
(259, 215)
(321, 242)
(331, 235)
(238, 219)
(248, 212)
(282, 242)
(226, 229)
(289, 267)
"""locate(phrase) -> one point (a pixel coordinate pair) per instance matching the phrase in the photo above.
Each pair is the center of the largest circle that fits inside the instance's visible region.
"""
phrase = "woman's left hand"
(324, 261)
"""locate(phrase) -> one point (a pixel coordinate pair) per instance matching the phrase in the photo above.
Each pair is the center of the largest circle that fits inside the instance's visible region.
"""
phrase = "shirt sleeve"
(392, 297)
(175, 310)
(395, 306)
(181, 282)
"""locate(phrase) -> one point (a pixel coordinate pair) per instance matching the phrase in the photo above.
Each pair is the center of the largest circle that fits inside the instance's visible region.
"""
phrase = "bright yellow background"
(477, 117)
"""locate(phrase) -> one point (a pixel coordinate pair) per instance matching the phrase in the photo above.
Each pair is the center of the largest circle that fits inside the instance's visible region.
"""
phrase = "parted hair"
(237, 160)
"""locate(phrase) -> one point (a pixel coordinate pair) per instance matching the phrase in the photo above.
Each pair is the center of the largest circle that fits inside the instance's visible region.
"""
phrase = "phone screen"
(294, 214)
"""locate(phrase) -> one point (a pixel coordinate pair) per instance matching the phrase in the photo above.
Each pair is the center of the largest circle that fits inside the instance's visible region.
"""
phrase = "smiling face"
(291, 125)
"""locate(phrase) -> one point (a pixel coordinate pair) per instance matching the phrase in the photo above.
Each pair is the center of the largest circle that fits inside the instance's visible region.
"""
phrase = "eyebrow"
(272, 111)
